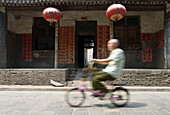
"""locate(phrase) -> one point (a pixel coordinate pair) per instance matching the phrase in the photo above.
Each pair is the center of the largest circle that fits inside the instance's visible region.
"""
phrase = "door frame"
(77, 34)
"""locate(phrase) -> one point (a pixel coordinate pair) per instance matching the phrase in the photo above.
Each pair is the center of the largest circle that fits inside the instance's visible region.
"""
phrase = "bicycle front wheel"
(120, 97)
(74, 97)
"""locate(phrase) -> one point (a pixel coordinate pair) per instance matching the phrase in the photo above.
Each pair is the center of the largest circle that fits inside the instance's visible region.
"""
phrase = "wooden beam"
(80, 2)
(86, 8)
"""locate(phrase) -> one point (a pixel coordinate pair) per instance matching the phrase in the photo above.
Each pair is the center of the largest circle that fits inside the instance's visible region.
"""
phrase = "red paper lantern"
(116, 12)
(51, 14)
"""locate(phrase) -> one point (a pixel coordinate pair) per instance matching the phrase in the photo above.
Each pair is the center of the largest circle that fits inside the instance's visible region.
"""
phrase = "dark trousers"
(100, 76)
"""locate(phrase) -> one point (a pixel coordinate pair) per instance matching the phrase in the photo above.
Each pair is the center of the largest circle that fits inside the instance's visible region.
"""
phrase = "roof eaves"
(76, 2)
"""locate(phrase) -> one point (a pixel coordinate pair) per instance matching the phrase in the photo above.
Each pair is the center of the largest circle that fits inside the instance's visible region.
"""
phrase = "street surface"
(53, 103)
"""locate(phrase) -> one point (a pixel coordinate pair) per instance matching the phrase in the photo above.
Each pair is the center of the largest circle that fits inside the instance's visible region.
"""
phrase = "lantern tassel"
(51, 23)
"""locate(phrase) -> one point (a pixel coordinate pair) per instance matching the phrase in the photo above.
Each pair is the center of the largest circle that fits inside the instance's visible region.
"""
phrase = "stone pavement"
(53, 103)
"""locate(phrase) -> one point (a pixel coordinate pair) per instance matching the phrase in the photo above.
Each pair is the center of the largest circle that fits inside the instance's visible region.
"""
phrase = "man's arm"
(102, 61)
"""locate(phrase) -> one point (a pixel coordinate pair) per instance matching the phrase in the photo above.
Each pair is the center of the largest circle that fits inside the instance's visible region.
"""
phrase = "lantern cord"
(114, 36)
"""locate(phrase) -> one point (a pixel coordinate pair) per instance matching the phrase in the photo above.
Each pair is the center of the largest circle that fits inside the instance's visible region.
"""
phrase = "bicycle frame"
(114, 97)
(84, 87)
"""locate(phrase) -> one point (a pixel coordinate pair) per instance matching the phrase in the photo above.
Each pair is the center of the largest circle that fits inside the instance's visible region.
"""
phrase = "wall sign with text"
(66, 45)
(147, 53)
(103, 36)
(27, 47)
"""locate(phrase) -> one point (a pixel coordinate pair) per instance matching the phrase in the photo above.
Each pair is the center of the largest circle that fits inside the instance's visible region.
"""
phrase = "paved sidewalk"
(53, 103)
(52, 88)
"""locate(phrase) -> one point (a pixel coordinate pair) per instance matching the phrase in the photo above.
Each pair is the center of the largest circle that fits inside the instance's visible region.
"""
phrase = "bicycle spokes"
(75, 97)
(120, 97)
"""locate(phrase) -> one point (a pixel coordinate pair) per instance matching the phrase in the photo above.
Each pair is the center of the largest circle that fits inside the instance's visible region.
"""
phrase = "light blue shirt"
(114, 67)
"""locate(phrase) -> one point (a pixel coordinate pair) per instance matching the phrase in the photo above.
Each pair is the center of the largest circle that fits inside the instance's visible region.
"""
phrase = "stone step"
(76, 83)
(76, 74)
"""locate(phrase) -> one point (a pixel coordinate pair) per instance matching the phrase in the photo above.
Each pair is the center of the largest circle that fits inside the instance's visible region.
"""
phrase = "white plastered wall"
(167, 8)
(12, 23)
(69, 17)
(2, 9)
(150, 21)
(21, 22)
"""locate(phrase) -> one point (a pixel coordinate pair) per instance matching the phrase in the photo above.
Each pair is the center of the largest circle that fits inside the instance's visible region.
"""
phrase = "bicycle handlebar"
(90, 62)
(89, 68)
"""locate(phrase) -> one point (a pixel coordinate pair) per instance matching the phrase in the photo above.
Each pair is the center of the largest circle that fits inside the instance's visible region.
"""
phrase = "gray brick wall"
(31, 76)
(139, 77)
(145, 77)
(131, 77)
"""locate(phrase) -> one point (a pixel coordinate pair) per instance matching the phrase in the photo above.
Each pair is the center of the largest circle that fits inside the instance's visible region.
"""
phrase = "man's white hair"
(115, 41)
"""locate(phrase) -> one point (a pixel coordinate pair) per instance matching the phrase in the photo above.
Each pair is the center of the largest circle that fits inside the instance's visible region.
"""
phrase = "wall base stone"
(131, 77)
(145, 77)
(31, 76)
(140, 77)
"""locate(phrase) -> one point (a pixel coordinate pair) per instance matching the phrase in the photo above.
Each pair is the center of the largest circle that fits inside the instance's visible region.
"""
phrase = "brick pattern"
(31, 76)
(146, 77)
(141, 77)
(71, 74)
(131, 77)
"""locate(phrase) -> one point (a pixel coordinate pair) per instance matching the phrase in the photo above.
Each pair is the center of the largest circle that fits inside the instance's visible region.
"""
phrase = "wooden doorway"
(86, 35)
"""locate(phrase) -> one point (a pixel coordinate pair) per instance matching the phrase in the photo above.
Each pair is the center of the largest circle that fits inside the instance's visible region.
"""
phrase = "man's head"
(112, 44)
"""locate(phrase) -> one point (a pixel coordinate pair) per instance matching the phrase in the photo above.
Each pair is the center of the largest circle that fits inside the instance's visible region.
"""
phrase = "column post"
(56, 45)
(2, 38)
(167, 36)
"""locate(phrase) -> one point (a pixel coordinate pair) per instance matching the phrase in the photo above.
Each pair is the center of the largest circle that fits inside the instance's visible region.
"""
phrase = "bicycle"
(119, 95)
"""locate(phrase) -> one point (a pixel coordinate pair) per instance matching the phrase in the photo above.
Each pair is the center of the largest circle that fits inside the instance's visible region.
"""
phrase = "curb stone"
(52, 88)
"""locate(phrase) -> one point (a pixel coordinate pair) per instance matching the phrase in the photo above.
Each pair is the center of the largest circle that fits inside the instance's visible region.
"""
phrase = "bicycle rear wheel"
(74, 97)
(120, 97)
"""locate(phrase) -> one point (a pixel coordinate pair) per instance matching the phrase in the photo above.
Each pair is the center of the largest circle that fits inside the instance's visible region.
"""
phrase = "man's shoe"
(107, 95)
(95, 95)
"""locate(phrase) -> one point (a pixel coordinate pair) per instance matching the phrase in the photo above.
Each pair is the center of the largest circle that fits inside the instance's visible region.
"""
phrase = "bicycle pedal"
(95, 95)
(102, 98)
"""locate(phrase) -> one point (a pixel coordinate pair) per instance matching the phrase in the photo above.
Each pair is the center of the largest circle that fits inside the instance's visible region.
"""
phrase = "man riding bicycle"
(113, 70)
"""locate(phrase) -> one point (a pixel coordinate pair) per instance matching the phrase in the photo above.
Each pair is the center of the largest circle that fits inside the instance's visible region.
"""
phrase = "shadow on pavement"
(129, 105)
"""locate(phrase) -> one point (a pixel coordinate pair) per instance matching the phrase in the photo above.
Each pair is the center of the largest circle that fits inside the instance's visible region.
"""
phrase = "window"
(43, 34)
(127, 30)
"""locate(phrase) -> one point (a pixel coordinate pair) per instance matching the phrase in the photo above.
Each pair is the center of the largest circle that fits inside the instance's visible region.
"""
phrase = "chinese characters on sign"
(67, 45)
(89, 54)
(103, 36)
(147, 53)
(159, 39)
(147, 40)
(27, 47)
(146, 36)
